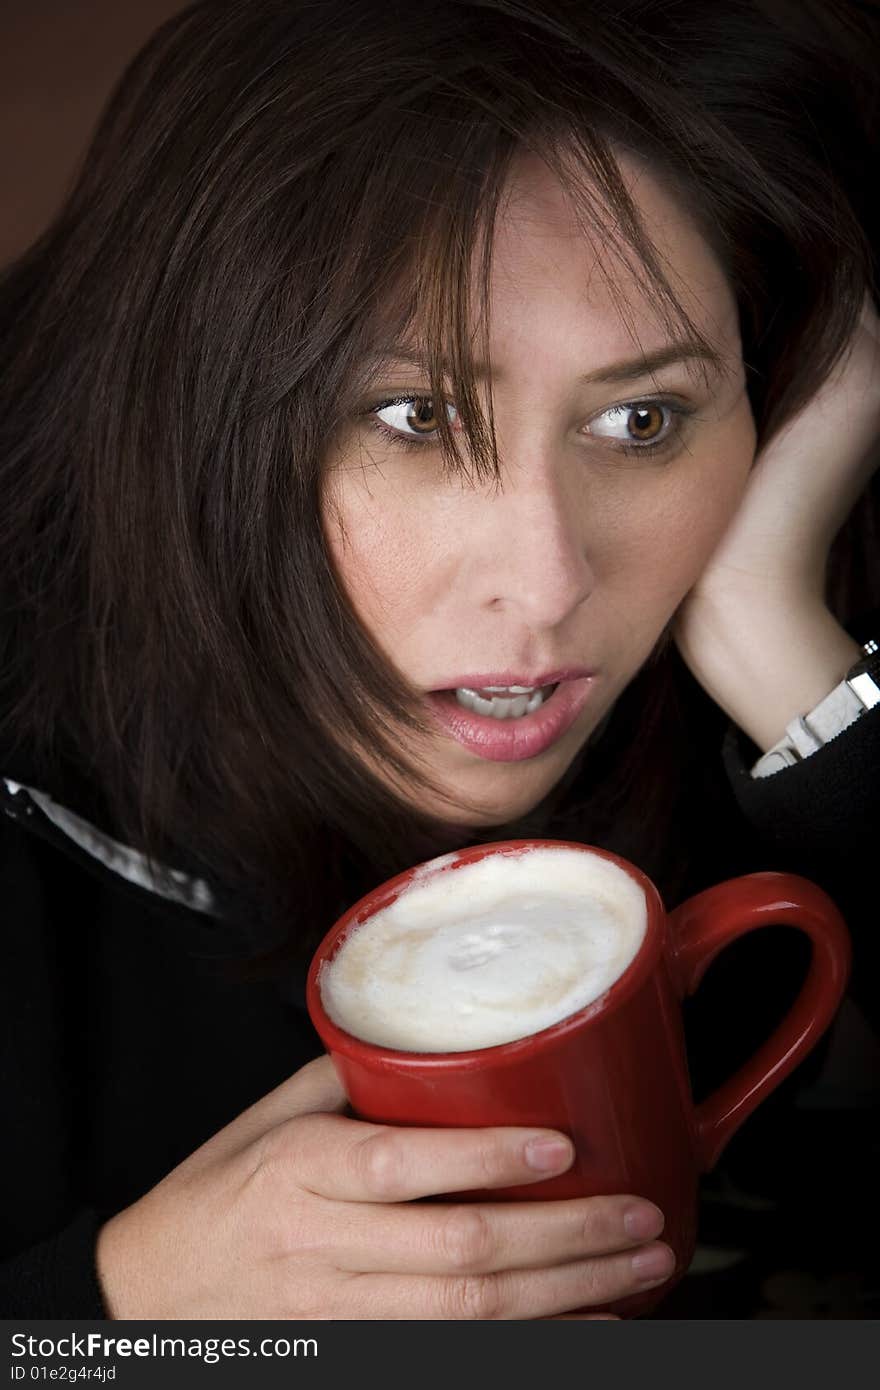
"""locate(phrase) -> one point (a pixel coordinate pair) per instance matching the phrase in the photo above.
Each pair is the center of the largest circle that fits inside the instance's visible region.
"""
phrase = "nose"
(532, 548)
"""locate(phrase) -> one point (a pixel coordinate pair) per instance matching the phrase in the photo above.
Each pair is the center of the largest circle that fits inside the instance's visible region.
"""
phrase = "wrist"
(808, 732)
(766, 664)
(114, 1263)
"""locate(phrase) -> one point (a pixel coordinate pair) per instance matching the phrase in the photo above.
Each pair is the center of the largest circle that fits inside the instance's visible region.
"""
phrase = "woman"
(252, 573)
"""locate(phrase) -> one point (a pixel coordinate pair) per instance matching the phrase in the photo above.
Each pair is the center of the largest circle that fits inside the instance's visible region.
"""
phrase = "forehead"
(558, 286)
(543, 256)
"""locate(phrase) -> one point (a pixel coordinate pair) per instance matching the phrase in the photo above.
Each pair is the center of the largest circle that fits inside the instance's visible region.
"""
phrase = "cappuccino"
(474, 956)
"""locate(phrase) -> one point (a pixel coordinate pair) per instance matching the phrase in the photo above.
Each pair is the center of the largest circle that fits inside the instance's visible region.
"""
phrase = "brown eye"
(639, 425)
(412, 419)
(646, 422)
(420, 415)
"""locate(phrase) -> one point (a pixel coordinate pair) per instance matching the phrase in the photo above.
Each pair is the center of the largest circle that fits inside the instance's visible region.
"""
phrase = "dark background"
(59, 60)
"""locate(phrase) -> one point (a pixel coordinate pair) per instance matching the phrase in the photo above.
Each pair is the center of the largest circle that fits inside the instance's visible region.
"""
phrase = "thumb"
(315, 1087)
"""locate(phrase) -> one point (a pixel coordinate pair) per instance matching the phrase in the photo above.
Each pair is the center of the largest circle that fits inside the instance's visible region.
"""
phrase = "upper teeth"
(526, 700)
(511, 689)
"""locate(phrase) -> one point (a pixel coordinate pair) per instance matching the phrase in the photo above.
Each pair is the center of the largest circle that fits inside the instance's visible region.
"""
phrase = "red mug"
(614, 1075)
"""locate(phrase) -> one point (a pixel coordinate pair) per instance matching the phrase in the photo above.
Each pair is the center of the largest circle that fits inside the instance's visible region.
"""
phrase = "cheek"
(703, 514)
(380, 552)
(721, 478)
(676, 524)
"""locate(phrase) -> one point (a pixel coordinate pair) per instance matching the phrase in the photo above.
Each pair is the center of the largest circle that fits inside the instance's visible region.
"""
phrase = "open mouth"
(509, 723)
(501, 702)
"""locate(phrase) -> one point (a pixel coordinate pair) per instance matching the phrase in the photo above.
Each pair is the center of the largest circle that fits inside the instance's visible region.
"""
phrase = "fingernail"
(653, 1265)
(547, 1155)
(643, 1221)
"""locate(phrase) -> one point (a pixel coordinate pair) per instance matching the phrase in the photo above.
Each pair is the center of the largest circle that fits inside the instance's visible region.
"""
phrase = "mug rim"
(381, 1057)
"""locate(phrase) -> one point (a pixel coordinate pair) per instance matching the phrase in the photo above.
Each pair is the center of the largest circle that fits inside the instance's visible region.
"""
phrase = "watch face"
(866, 686)
(864, 678)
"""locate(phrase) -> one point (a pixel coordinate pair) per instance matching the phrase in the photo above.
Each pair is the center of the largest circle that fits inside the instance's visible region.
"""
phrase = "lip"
(475, 682)
(513, 740)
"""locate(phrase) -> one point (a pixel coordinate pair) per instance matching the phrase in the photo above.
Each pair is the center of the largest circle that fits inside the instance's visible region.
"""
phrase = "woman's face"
(617, 483)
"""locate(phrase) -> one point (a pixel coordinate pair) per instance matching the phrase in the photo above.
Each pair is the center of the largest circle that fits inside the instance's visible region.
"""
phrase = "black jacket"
(130, 1033)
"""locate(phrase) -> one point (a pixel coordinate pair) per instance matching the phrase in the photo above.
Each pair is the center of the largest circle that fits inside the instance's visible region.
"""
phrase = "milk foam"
(479, 955)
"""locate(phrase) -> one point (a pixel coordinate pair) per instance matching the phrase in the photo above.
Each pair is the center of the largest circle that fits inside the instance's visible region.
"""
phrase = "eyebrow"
(628, 369)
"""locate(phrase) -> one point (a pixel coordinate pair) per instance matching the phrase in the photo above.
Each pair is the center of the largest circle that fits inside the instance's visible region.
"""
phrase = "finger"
(315, 1087)
(514, 1294)
(583, 1317)
(485, 1238)
(352, 1161)
(868, 318)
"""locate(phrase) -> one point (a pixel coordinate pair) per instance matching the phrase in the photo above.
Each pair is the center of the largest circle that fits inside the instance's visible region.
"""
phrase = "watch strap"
(857, 692)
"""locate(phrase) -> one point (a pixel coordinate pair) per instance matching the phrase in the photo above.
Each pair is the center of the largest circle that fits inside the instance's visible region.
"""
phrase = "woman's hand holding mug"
(296, 1211)
(539, 982)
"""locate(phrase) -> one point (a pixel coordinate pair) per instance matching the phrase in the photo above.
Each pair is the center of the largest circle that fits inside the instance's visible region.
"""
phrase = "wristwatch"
(859, 690)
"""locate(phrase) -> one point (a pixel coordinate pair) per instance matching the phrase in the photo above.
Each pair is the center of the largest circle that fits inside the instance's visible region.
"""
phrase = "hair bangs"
(442, 288)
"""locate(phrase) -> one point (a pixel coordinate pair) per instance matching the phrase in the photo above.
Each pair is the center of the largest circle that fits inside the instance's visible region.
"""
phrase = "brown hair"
(274, 188)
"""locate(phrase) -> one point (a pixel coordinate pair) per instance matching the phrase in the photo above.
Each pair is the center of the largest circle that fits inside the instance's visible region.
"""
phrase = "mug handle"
(709, 921)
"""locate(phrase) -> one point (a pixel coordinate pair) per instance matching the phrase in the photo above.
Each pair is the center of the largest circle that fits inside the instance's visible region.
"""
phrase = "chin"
(490, 810)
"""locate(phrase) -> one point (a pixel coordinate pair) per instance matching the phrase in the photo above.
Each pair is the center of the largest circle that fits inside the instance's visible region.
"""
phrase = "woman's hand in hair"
(296, 1211)
(756, 630)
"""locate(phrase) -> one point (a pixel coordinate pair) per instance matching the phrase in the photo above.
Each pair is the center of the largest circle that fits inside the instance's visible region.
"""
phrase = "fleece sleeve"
(821, 818)
(56, 1278)
(828, 804)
